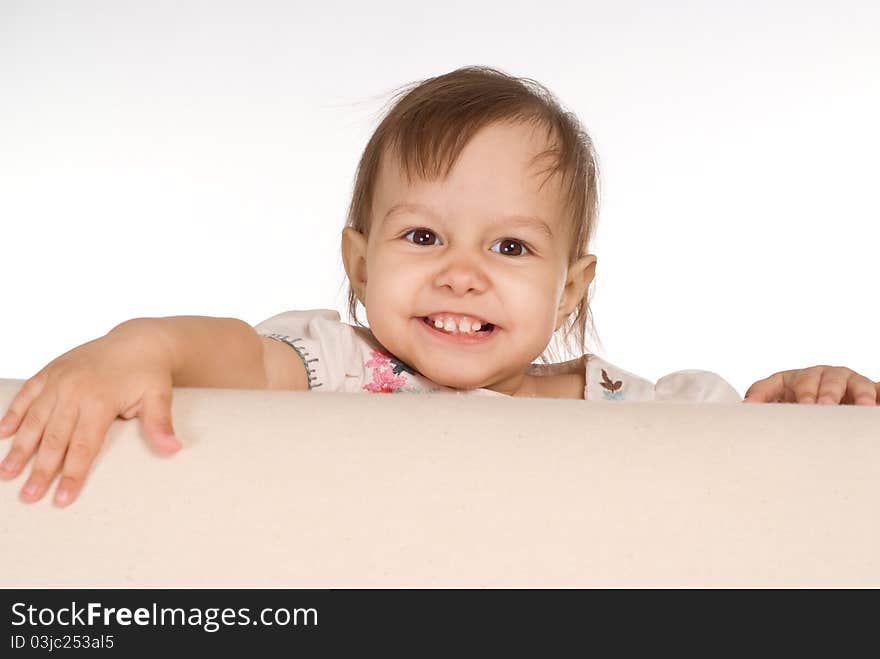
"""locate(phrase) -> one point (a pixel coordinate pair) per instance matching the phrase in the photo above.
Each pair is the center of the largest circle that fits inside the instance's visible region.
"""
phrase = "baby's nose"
(462, 274)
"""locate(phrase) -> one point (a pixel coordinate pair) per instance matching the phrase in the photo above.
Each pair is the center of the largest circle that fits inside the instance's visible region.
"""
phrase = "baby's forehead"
(502, 170)
(500, 162)
(533, 147)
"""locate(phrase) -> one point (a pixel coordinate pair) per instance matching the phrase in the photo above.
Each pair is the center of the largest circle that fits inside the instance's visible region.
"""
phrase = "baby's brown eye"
(511, 247)
(421, 236)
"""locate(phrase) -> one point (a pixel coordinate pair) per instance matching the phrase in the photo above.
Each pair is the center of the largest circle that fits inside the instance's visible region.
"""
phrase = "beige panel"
(298, 489)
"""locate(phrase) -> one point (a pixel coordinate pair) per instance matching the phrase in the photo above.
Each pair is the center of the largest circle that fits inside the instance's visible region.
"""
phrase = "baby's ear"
(354, 258)
(580, 274)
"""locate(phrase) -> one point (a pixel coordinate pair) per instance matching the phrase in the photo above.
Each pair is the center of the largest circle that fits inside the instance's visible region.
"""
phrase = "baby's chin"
(456, 379)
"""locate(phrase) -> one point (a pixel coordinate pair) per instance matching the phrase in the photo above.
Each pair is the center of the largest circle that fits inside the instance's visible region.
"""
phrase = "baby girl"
(467, 239)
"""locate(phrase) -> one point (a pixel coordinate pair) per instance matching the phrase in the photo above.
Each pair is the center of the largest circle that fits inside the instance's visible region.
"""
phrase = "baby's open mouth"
(463, 327)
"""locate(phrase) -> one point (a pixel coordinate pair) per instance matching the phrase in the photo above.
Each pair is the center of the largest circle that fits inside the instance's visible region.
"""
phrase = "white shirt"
(347, 358)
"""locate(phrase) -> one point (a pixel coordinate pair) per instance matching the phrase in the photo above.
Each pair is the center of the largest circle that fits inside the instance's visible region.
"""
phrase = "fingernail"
(806, 400)
(9, 465)
(826, 400)
(30, 489)
(62, 496)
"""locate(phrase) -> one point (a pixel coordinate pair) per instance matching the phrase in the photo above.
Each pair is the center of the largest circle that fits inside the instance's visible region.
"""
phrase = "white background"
(196, 158)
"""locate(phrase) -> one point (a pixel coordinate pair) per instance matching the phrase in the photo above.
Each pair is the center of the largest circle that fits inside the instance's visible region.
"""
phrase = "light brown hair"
(432, 120)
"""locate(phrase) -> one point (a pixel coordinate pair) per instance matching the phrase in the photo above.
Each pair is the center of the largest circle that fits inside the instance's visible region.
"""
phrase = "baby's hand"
(64, 411)
(818, 384)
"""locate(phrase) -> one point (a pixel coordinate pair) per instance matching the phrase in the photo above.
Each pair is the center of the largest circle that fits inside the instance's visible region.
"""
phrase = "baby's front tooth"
(464, 325)
(449, 325)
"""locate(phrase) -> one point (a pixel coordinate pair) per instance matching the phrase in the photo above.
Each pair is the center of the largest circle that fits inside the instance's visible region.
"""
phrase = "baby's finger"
(84, 446)
(760, 391)
(769, 390)
(804, 386)
(832, 385)
(50, 453)
(28, 435)
(29, 391)
(156, 416)
(860, 391)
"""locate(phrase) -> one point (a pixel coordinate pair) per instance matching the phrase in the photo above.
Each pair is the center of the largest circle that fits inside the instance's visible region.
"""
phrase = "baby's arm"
(227, 353)
(63, 412)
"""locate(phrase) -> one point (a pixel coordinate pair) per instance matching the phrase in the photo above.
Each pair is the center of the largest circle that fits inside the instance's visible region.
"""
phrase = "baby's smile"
(452, 322)
(465, 333)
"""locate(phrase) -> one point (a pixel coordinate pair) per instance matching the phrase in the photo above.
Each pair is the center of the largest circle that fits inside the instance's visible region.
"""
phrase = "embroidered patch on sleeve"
(613, 390)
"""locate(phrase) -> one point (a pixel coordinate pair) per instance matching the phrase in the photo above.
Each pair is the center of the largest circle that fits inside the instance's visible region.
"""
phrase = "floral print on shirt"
(388, 378)
(387, 375)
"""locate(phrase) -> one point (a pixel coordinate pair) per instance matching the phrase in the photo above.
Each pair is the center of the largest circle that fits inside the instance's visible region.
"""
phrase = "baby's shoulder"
(597, 379)
(607, 381)
(340, 356)
(333, 351)
(324, 324)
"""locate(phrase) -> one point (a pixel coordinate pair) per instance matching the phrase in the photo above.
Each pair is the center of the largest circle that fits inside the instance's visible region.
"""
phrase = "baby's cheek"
(388, 323)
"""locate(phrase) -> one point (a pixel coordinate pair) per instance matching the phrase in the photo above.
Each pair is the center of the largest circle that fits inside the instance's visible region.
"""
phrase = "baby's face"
(485, 244)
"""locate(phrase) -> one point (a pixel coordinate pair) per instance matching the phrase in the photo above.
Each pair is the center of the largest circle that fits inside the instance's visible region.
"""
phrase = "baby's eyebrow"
(515, 220)
(528, 221)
